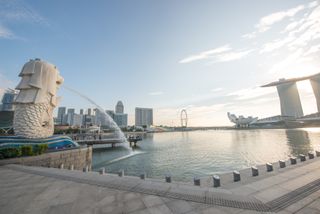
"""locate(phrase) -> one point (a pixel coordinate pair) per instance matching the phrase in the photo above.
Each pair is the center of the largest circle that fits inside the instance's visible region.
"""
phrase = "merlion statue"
(33, 116)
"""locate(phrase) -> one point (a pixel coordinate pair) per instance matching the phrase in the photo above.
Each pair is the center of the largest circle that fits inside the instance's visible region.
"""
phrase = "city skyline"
(168, 55)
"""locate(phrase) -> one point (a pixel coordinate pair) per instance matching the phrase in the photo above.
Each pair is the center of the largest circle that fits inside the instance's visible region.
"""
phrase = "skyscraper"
(290, 100)
(119, 107)
(8, 99)
(61, 113)
(70, 116)
(143, 117)
(315, 83)
(89, 111)
(121, 119)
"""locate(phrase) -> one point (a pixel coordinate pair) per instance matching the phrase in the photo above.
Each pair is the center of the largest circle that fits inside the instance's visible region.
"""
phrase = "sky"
(208, 57)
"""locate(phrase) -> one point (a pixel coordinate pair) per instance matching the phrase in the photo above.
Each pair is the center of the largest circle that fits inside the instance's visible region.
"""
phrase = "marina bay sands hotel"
(290, 102)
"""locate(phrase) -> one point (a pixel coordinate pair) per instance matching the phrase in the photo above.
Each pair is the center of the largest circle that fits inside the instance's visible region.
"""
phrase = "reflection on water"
(201, 153)
(298, 141)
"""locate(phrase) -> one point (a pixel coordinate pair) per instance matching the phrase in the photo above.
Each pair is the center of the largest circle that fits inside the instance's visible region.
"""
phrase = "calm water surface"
(202, 153)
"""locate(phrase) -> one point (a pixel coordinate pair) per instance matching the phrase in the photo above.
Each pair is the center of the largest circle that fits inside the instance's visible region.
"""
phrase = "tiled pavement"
(45, 190)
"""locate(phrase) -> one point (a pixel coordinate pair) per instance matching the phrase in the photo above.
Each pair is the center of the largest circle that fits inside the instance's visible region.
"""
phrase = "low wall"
(79, 158)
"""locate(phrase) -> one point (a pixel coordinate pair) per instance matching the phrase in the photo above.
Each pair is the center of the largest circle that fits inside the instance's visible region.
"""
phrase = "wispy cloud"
(267, 21)
(220, 54)
(251, 93)
(15, 11)
(300, 44)
(155, 93)
(249, 35)
(5, 33)
(232, 55)
(206, 54)
(276, 44)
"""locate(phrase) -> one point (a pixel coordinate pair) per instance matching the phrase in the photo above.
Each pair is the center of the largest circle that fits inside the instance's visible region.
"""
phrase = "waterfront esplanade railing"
(290, 102)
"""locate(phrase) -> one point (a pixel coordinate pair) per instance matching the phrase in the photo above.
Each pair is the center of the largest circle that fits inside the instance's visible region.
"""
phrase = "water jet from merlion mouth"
(113, 124)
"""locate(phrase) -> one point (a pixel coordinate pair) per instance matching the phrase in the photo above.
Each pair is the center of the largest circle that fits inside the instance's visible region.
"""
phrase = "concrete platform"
(26, 189)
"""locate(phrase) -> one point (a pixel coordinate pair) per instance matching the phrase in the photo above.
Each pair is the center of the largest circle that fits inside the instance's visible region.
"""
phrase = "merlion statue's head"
(36, 100)
(40, 81)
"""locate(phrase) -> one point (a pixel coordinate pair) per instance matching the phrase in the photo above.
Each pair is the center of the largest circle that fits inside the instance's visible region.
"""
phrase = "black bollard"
(293, 160)
(121, 173)
(86, 169)
(216, 181)
(255, 171)
(282, 163)
(143, 176)
(196, 181)
(311, 155)
(102, 171)
(236, 176)
(302, 157)
(168, 178)
(269, 167)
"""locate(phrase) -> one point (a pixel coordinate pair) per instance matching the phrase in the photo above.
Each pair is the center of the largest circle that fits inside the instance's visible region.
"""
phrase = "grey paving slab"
(160, 209)
(46, 190)
(152, 200)
(315, 205)
(179, 207)
(299, 205)
(308, 210)
(270, 194)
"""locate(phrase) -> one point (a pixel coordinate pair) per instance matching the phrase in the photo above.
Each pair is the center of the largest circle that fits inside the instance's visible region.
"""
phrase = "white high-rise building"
(143, 117)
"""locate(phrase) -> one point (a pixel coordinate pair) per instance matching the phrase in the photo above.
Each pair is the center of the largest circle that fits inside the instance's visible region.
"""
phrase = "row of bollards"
(216, 178)
(71, 167)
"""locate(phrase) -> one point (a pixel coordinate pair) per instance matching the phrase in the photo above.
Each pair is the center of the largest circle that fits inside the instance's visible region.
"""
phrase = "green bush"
(40, 149)
(10, 152)
(27, 150)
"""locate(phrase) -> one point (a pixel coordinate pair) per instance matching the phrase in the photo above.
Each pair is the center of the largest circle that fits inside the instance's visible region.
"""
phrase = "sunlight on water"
(202, 153)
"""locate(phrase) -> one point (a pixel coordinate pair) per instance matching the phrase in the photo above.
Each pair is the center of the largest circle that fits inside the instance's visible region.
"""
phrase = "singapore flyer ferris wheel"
(184, 118)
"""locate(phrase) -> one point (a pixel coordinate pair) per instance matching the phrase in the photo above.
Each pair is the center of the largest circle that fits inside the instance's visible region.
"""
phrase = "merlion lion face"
(36, 100)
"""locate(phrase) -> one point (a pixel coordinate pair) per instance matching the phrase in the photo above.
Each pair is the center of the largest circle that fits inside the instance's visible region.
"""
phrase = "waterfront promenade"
(294, 189)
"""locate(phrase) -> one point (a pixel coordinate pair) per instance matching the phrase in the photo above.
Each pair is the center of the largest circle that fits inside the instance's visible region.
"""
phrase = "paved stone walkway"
(47, 190)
